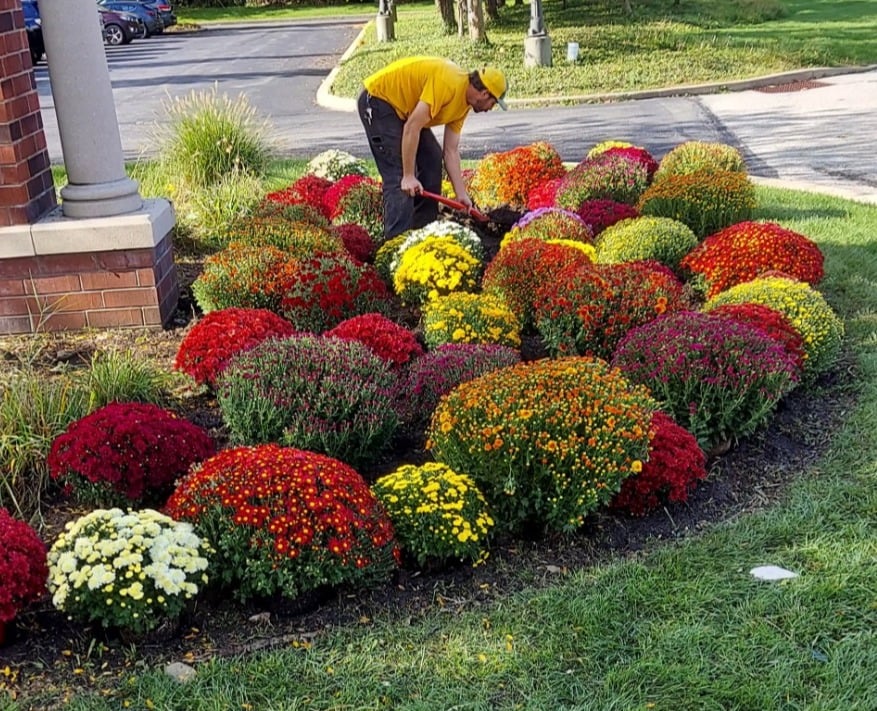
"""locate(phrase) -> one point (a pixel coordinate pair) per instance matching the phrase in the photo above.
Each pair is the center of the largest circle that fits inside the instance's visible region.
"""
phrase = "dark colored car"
(164, 9)
(120, 27)
(34, 27)
(146, 13)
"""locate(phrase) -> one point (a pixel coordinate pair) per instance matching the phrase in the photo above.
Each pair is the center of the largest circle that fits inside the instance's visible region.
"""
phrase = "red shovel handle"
(457, 205)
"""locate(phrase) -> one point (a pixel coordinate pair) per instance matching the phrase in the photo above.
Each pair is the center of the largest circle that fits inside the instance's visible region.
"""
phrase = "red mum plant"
(333, 195)
(600, 214)
(209, 345)
(126, 453)
(675, 465)
(23, 568)
(770, 321)
(385, 338)
(309, 189)
(285, 521)
(543, 194)
(507, 178)
(326, 289)
(748, 250)
(356, 240)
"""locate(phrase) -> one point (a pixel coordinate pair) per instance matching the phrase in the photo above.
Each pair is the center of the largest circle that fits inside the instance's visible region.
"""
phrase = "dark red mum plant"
(23, 569)
(357, 241)
(600, 214)
(127, 452)
(641, 155)
(387, 339)
(207, 348)
(675, 466)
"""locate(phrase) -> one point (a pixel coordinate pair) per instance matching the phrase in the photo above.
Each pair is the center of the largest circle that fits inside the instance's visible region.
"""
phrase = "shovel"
(457, 205)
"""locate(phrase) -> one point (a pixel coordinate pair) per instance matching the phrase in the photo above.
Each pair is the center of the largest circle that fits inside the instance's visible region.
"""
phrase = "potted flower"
(23, 569)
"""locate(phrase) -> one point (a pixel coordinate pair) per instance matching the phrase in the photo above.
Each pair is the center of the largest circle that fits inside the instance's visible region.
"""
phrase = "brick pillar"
(26, 188)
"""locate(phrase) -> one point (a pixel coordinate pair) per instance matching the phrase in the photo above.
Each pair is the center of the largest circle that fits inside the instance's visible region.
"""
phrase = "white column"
(87, 122)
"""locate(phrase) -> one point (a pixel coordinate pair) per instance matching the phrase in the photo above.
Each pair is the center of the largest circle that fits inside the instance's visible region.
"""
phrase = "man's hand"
(411, 185)
(465, 199)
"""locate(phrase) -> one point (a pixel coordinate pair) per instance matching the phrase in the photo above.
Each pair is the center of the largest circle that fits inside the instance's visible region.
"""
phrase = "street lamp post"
(537, 43)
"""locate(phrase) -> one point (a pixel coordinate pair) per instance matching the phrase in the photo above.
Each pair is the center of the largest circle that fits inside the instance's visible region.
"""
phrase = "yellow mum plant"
(470, 318)
(435, 267)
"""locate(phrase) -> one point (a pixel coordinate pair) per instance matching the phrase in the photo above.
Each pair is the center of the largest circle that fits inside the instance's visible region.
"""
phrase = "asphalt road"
(821, 136)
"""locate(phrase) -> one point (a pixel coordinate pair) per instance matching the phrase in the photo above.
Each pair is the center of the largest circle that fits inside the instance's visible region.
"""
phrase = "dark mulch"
(50, 657)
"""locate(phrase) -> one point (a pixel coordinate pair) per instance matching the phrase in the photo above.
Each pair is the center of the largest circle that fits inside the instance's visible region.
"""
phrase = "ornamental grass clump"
(335, 164)
(242, 276)
(470, 318)
(705, 201)
(23, 569)
(675, 466)
(600, 214)
(806, 309)
(719, 379)
(438, 515)
(388, 340)
(549, 223)
(211, 343)
(695, 156)
(656, 238)
(284, 522)
(605, 177)
(323, 394)
(325, 289)
(126, 453)
(517, 271)
(439, 371)
(747, 250)
(129, 571)
(295, 238)
(508, 178)
(547, 442)
(435, 267)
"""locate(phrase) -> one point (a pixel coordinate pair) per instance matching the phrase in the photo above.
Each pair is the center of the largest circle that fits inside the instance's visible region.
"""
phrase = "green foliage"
(659, 238)
(693, 156)
(122, 376)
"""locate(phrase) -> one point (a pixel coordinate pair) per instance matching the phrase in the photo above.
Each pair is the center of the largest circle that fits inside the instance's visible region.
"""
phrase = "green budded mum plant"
(296, 238)
(547, 442)
(470, 318)
(806, 309)
(706, 201)
(694, 156)
(437, 513)
(322, 394)
(661, 239)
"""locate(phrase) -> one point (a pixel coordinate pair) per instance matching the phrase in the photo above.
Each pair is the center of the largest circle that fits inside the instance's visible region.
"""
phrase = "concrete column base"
(101, 199)
(109, 272)
(537, 51)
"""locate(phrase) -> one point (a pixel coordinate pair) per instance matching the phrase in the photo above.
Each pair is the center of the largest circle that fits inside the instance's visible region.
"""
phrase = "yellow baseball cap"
(494, 81)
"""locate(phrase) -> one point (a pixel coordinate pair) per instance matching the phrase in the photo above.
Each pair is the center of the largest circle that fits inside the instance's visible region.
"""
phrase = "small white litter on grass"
(771, 572)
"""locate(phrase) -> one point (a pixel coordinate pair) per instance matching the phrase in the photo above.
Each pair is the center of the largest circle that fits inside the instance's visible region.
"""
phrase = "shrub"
(327, 289)
(658, 238)
(285, 522)
(696, 156)
(805, 308)
(675, 465)
(607, 177)
(470, 318)
(212, 136)
(747, 250)
(128, 571)
(23, 569)
(361, 204)
(388, 340)
(516, 272)
(543, 194)
(769, 321)
(600, 214)
(705, 201)
(437, 513)
(116, 376)
(209, 345)
(549, 223)
(334, 165)
(547, 441)
(244, 277)
(435, 267)
(718, 378)
(323, 394)
(507, 178)
(296, 239)
(438, 372)
(356, 240)
(309, 189)
(126, 453)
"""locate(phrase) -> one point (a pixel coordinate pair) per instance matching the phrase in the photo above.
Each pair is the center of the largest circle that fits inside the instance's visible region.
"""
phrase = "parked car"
(164, 9)
(146, 13)
(120, 27)
(33, 25)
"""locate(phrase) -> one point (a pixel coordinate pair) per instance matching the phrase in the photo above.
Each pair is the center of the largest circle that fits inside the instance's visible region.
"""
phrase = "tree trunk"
(462, 13)
(446, 11)
(493, 8)
(477, 33)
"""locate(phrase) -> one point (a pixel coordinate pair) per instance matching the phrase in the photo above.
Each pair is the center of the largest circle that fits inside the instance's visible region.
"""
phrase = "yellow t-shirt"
(435, 81)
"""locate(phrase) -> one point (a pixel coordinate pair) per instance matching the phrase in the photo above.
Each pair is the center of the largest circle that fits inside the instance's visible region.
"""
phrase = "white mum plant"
(126, 570)
(334, 165)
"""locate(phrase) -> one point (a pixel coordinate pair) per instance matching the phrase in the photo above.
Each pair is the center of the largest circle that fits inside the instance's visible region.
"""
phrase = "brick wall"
(26, 188)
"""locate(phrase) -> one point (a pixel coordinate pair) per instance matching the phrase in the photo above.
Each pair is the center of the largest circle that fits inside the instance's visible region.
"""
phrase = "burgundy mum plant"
(23, 568)
(127, 453)
(600, 214)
